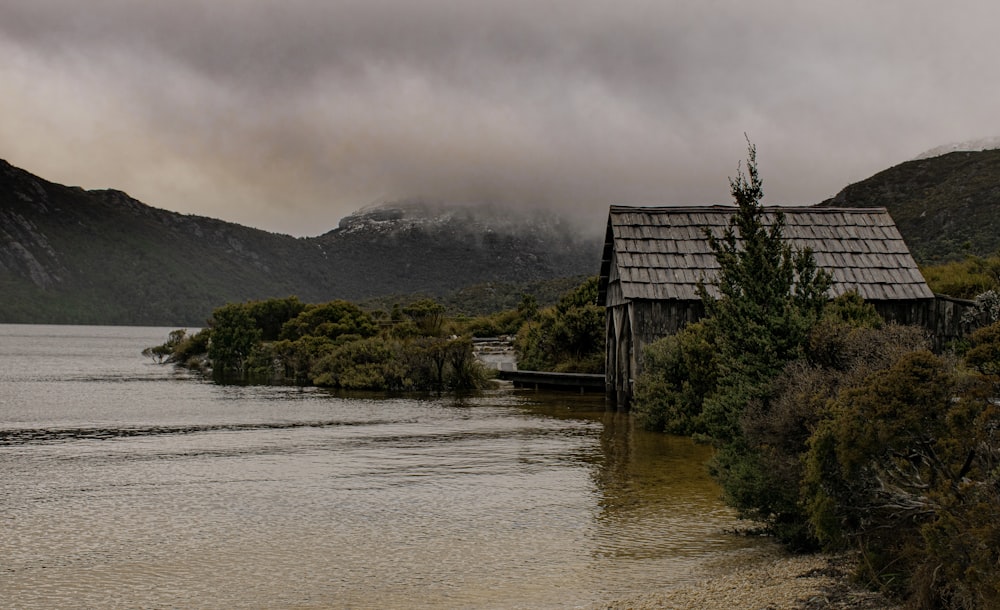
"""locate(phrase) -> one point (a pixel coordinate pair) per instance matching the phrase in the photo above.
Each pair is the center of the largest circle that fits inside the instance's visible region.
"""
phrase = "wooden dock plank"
(575, 382)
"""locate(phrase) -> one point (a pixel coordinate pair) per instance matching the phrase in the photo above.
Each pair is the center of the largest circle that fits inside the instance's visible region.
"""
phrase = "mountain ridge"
(945, 206)
(73, 256)
(102, 257)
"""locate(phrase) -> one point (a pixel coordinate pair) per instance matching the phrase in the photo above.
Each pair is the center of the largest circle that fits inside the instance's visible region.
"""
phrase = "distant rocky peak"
(967, 146)
(478, 218)
(396, 212)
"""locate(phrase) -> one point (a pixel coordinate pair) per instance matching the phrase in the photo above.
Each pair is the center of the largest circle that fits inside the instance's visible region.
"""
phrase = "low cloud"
(289, 115)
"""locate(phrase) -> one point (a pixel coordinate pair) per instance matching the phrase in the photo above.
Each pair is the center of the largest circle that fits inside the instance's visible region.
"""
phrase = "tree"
(165, 351)
(767, 298)
(271, 314)
(427, 316)
(330, 320)
(234, 336)
(566, 337)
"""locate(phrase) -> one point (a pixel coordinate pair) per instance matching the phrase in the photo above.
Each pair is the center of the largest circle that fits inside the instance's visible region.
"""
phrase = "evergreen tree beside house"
(655, 259)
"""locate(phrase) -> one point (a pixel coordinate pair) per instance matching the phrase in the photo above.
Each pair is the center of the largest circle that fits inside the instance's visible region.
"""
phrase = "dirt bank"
(765, 582)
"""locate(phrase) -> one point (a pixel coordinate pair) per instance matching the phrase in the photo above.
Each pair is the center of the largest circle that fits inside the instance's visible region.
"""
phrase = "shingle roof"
(661, 252)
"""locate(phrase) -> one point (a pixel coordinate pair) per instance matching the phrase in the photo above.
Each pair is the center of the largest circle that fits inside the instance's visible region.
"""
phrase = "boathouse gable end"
(655, 257)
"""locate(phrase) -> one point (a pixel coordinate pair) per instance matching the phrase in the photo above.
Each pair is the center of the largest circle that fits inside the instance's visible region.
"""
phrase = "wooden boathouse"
(654, 258)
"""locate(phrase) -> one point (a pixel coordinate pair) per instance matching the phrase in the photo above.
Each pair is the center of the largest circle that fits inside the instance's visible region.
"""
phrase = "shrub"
(494, 325)
(964, 279)
(907, 468)
(679, 372)
(427, 316)
(985, 311)
(369, 364)
(165, 351)
(568, 337)
(424, 364)
(330, 320)
(296, 359)
(192, 348)
(779, 429)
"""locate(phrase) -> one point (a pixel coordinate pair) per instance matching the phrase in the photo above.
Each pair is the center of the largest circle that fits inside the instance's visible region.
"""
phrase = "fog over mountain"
(289, 115)
(69, 255)
(976, 145)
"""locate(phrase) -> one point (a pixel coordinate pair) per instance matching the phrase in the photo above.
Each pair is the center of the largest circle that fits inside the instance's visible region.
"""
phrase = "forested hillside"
(101, 257)
(945, 207)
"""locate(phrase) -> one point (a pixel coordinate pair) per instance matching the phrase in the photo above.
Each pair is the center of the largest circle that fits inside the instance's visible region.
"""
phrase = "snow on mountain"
(408, 215)
(970, 145)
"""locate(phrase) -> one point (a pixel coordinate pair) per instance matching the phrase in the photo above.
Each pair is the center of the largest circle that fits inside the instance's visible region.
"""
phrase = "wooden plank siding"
(632, 326)
(655, 258)
(942, 316)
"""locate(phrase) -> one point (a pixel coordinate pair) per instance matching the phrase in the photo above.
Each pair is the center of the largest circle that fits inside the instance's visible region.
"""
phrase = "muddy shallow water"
(128, 484)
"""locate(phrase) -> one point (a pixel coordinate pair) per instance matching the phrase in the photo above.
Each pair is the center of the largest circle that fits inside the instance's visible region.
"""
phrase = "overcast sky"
(287, 115)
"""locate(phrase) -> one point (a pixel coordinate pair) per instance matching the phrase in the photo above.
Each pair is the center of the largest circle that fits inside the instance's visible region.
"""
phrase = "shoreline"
(765, 581)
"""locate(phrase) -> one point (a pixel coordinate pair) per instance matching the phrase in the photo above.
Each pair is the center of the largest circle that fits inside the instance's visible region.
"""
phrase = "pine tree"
(769, 295)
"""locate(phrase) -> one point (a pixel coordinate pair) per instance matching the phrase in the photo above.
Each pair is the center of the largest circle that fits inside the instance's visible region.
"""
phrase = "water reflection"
(658, 514)
(122, 485)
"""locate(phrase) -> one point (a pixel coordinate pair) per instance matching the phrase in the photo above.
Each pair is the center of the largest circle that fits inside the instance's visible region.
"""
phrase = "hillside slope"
(101, 257)
(945, 206)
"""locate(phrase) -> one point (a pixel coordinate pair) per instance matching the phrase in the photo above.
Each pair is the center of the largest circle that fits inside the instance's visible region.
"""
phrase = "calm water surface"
(128, 484)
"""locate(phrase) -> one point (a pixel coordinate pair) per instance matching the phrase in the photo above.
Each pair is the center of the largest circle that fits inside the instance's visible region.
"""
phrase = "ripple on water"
(192, 495)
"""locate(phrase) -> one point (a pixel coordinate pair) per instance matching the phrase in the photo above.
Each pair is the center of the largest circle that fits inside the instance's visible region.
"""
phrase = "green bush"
(568, 337)
(165, 351)
(426, 364)
(296, 359)
(503, 322)
(906, 466)
(369, 364)
(966, 278)
(679, 372)
(330, 320)
(234, 337)
(779, 429)
(191, 349)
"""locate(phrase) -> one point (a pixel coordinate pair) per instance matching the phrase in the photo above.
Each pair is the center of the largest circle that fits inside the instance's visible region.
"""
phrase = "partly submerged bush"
(679, 372)
(333, 344)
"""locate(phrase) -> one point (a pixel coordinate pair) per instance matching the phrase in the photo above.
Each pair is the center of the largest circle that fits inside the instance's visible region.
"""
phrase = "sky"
(287, 115)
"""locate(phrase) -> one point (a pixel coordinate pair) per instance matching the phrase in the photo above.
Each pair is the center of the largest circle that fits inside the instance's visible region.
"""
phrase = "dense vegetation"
(568, 337)
(334, 344)
(966, 278)
(834, 430)
(945, 206)
(415, 347)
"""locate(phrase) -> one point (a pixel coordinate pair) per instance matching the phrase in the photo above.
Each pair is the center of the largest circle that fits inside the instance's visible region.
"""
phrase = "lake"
(124, 483)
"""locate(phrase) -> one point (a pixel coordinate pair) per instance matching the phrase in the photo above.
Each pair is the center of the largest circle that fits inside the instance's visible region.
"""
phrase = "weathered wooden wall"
(633, 325)
(941, 316)
(630, 328)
